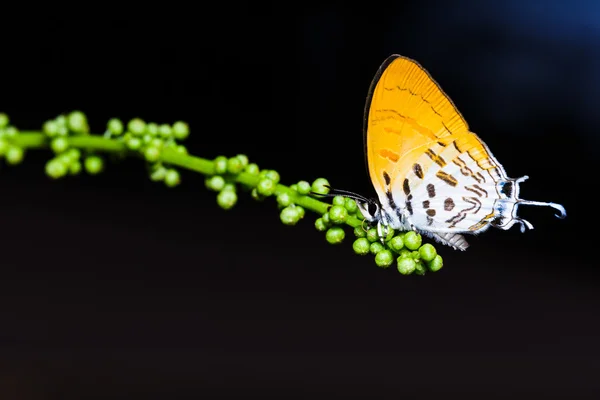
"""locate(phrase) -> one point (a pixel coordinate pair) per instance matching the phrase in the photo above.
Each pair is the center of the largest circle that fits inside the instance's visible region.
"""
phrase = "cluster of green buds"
(221, 181)
(67, 159)
(150, 139)
(231, 173)
(12, 154)
(406, 248)
(291, 213)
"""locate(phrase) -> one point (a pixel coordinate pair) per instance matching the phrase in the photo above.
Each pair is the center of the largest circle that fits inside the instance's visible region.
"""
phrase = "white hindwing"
(447, 191)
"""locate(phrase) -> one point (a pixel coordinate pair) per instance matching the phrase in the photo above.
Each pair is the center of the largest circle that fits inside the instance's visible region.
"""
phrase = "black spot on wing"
(430, 190)
(387, 178)
(406, 187)
(388, 193)
(418, 170)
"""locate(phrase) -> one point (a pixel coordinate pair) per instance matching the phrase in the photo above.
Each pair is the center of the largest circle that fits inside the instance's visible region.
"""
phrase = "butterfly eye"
(372, 208)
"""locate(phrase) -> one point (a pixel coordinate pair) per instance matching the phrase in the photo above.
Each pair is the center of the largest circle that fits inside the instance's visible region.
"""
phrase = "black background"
(115, 286)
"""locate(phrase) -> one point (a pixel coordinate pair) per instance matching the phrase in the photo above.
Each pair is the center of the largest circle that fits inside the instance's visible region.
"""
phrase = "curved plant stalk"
(76, 149)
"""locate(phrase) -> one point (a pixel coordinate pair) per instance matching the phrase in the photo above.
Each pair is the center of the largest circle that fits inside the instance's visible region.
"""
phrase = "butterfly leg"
(382, 231)
(521, 179)
(524, 224)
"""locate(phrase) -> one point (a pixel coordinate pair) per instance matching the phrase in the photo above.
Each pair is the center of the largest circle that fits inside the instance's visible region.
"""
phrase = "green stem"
(36, 139)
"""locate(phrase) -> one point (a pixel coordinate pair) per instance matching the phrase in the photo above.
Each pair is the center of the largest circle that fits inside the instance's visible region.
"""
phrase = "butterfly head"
(370, 209)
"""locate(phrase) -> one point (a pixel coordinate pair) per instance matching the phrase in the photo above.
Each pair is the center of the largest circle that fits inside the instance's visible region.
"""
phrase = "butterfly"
(432, 174)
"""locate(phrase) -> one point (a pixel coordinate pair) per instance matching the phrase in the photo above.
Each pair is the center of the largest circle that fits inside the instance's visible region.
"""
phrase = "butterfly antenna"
(561, 209)
(339, 192)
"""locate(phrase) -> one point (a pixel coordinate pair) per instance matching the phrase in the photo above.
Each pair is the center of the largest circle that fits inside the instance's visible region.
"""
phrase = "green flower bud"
(436, 264)
(350, 205)
(227, 199)
(289, 215)
(55, 168)
(243, 159)
(419, 268)
(136, 126)
(372, 235)
(335, 235)
(234, 165)
(319, 186)
(215, 183)
(59, 144)
(384, 258)
(158, 173)
(303, 187)
(320, 225)
(284, 199)
(338, 214)
(14, 155)
(133, 143)
(427, 252)
(152, 129)
(77, 122)
(406, 265)
(361, 246)
(165, 131)
(252, 169)
(339, 201)
(115, 126)
(360, 232)
(270, 174)
(220, 165)
(50, 128)
(376, 247)
(152, 154)
(4, 120)
(266, 187)
(180, 130)
(93, 164)
(396, 243)
(172, 178)
(405, 253)
(412, 240)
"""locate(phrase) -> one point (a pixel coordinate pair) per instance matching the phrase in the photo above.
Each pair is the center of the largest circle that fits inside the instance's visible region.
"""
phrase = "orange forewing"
(407, 111)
